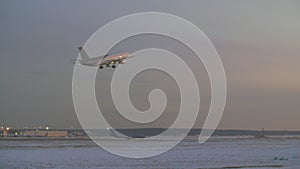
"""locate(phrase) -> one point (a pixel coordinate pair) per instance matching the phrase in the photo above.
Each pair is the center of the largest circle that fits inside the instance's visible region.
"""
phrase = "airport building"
(43, 133)
(10, 132)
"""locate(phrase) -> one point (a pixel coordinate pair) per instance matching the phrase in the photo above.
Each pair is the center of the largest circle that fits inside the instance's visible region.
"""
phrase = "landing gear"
(100, 67)
(113, 66)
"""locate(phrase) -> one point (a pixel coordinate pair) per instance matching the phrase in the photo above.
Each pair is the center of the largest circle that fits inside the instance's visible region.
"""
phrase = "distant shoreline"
(142, 133)
(190, 137)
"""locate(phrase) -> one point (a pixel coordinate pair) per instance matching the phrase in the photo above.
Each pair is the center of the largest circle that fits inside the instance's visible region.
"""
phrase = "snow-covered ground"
(216, 153)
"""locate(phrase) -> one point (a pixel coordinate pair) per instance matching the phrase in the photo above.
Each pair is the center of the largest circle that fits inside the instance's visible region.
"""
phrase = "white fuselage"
(100, 61)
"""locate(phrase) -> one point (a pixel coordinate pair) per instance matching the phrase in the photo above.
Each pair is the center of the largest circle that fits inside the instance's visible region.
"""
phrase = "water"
(216, 153)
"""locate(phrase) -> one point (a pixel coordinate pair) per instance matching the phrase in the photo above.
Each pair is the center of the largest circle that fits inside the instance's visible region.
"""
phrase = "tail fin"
(83, 54)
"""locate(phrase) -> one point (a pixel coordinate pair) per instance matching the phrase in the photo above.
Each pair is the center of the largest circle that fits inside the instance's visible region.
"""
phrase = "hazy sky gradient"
(258, 42)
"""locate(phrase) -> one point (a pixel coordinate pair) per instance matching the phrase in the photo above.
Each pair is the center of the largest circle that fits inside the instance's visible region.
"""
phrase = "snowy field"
(227, 152)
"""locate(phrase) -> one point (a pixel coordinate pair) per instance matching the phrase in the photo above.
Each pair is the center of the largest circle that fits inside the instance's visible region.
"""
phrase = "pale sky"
(258, 43)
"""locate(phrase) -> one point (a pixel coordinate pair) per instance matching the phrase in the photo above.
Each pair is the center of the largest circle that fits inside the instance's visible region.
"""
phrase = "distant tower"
(261, 134)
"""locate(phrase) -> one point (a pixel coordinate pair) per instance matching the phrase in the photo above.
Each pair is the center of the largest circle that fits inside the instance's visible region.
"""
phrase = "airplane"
(102, 61)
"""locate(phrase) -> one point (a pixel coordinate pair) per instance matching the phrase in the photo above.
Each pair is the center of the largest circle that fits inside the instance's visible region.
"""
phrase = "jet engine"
(123, 61)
